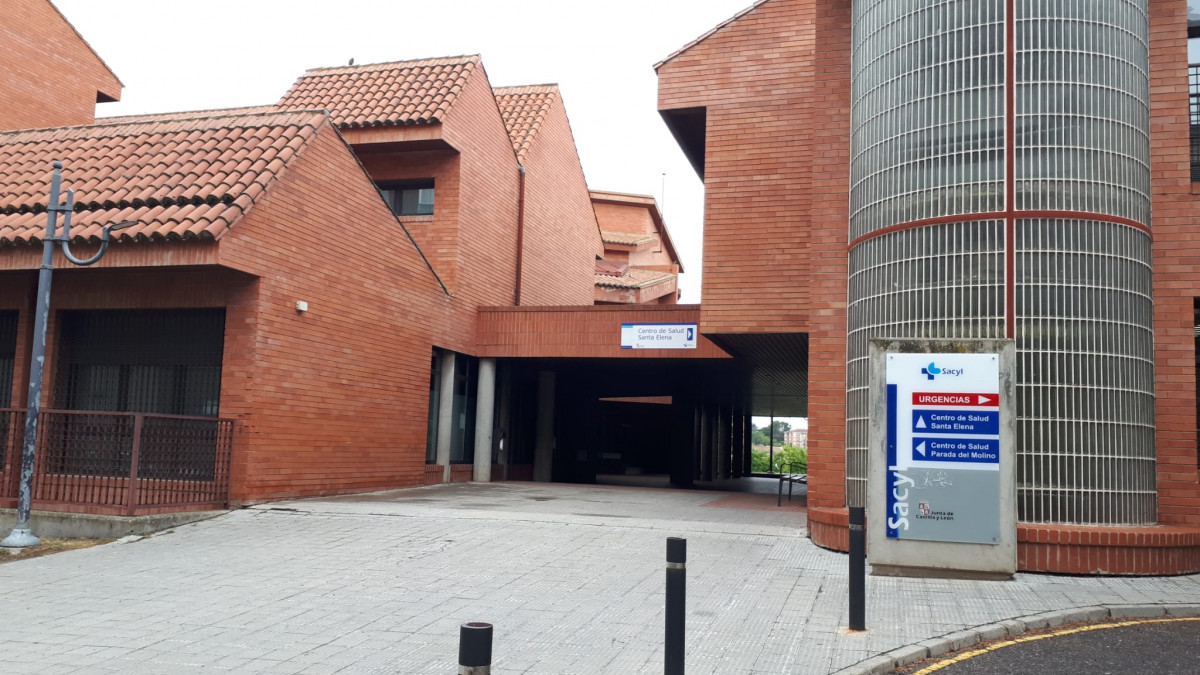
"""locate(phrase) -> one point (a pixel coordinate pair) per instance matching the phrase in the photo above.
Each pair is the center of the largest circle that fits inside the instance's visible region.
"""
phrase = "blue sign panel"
(982, 422)
(946, 449)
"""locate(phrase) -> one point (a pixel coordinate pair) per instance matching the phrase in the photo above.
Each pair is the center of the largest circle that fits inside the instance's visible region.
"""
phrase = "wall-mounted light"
(301, 306)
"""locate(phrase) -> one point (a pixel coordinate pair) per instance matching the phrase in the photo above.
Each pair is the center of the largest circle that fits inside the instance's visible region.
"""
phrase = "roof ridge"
(168, 120)
(512, 88)
(195, 114)
(385, 65)
(712, 31)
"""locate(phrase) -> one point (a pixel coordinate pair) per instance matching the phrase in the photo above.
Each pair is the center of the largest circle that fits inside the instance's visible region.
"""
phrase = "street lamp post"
(22, 536)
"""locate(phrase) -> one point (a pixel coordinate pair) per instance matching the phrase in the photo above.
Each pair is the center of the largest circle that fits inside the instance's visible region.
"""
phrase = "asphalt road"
(1169, 647)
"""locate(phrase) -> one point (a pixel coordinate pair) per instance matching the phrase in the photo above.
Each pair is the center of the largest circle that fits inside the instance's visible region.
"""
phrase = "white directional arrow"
(921, 422)
(921, 448)
(984, 399)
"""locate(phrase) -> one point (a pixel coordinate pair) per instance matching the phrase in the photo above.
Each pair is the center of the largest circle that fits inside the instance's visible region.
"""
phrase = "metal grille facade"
(935, 282)
(927, 120)
(938, 218)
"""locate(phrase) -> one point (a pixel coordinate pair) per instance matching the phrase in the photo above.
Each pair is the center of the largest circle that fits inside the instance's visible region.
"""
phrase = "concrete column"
(445, 414)
(723, 446)
(485, 405)
(543, 453)
(503, 423)
(747, 443)
(736, 438)
(706, 441)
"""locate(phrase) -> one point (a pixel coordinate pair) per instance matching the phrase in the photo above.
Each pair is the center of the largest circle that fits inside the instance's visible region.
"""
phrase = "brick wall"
(633, 218)
(776, 86)
(334, 399)
(581, 332)
(49, 75)
(561, 240)
(755, 76)
(437, 235)
(1176, 256)
(487, 216)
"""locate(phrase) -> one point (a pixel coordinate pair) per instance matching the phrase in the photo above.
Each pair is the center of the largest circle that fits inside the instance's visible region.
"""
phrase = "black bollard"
(858, 568)
(676, 601)
(475, 649)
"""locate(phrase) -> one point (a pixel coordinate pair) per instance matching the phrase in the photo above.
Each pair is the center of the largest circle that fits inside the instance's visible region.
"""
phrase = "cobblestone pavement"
(572, 577)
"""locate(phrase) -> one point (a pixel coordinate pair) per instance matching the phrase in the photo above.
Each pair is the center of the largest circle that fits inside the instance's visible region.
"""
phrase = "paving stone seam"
(933, 647)
(773, 531)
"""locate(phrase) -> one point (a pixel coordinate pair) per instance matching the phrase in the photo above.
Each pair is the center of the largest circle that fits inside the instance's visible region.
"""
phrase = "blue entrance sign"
(942, 449)
(982, 422)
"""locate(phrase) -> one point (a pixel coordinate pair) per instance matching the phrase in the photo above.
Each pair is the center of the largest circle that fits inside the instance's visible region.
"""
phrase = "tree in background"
(759, 436)
(778, 429)
(788, 459)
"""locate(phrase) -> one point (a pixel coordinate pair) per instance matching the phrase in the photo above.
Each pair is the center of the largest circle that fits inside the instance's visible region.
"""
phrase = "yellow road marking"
(1030, 638)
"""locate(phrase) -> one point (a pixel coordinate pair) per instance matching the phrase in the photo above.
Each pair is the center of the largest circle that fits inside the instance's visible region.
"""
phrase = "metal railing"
(1194, 116)
(118, 462)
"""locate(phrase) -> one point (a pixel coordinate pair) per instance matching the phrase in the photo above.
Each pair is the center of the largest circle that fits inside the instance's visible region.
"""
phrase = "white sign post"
(658, 336)
(941, 489)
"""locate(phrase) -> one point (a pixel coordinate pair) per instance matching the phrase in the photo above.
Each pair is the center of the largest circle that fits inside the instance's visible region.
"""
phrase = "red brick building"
(299, 307)
(397, 275)
(763, 107)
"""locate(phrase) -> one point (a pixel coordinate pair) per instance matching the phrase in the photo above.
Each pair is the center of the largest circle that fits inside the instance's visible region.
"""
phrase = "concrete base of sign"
(941, 488)
(937, 573)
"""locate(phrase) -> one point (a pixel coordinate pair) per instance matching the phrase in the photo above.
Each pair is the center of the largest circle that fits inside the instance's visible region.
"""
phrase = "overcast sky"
(193, 54)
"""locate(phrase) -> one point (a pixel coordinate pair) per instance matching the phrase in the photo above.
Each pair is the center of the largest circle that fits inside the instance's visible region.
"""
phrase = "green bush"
(796, 458)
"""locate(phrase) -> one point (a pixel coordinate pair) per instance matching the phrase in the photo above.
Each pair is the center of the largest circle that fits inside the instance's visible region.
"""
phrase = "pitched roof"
(383, 94)
(710, 33)
(626, 238)
(187, 114)
(634, 278)
(523, 110)
(179, 179)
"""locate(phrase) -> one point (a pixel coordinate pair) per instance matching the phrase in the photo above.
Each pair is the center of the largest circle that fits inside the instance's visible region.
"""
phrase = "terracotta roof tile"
(611, 268)
(634, 278)
(170, 175)
(627, 238)
(383, 94)
(523, 110)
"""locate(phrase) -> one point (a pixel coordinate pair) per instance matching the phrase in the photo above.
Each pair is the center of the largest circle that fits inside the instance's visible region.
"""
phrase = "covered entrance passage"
(572, 405)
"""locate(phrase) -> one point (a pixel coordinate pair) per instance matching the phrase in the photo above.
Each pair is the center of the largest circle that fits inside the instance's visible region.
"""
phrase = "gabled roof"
(179, 179)
(383, 94)
(523, 110)
(647, 202)
(709, 34)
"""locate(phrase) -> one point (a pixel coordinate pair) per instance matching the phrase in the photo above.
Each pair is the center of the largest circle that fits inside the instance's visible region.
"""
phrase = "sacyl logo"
(931, 370)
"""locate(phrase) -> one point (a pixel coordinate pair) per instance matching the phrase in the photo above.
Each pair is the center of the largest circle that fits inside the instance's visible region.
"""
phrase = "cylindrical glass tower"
(1000, 187)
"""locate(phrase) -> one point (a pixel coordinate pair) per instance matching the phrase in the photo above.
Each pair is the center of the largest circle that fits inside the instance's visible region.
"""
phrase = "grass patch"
(48, 546)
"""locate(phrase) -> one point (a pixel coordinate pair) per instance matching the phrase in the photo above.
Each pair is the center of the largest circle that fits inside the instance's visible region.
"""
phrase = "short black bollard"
(858, 568)
(475, 649)
(676, 602)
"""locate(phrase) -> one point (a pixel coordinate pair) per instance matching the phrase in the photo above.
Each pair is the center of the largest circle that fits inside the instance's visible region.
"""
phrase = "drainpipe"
(520, 233)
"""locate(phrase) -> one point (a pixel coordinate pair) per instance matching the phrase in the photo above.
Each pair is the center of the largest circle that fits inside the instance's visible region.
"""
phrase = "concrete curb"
(909, 654)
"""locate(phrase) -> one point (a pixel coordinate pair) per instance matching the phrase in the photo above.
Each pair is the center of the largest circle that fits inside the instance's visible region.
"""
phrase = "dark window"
(153, 361)
(413, 198)
(462, 436)
(8, 353)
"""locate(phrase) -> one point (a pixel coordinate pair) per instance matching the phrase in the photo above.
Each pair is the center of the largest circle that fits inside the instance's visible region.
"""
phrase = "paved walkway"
(572, 576)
